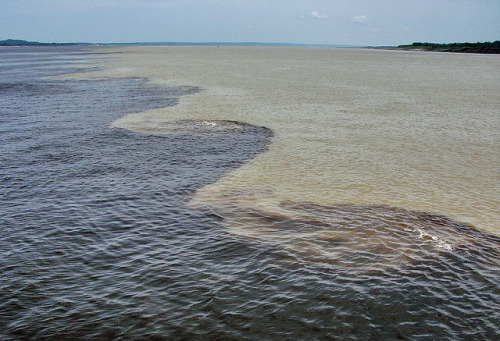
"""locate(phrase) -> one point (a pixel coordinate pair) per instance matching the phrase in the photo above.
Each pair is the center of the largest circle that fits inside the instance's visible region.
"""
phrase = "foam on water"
(188, 126)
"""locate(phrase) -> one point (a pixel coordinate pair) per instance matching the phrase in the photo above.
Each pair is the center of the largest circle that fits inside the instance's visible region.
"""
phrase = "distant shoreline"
(479, 47)
(17, 42)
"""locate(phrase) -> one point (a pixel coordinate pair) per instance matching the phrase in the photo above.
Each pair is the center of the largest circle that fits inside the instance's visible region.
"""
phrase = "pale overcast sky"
(353, 22)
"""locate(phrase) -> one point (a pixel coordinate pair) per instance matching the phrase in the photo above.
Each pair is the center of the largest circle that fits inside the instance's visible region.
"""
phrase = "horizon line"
(187, 43)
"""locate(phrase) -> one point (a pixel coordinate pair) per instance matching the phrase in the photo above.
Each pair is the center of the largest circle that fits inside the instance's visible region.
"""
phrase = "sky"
(343, 22)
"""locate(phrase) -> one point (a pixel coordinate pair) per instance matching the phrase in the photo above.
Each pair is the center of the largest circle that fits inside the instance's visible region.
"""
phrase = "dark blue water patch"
(83, 205)
(20, 63)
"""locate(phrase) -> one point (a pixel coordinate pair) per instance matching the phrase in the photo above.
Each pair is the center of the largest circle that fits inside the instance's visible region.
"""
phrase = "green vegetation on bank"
(479, 47)
(17, 42)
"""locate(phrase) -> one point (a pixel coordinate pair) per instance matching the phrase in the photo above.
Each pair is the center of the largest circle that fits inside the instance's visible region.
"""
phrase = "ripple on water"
(364, 238)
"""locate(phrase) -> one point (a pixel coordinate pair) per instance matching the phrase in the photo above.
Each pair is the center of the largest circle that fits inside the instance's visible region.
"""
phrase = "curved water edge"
(351, 126)
(361, 238)
(406, 252)
(94, 220)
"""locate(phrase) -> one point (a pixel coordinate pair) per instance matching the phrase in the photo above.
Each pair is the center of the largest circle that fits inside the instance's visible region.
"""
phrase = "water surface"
(182, 226)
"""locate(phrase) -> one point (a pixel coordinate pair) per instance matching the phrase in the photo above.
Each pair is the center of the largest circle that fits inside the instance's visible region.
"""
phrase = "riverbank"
(479, 47)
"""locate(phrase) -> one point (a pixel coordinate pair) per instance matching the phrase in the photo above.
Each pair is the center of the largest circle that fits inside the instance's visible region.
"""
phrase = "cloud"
(316, 15)
(359, 20)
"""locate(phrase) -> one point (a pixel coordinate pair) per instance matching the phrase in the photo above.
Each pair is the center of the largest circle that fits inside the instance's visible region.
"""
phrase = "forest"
(479, 47)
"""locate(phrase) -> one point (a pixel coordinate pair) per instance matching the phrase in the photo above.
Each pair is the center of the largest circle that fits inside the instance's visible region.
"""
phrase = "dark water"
(97, 241)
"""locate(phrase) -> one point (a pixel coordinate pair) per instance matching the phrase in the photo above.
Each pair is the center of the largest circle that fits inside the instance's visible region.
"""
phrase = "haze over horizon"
(343, 22)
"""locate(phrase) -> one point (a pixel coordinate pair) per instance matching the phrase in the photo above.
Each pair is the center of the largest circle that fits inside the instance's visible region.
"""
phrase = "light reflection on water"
(101, 238)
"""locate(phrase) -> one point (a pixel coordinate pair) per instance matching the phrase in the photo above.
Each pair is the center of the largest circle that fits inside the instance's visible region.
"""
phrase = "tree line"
(479, 47)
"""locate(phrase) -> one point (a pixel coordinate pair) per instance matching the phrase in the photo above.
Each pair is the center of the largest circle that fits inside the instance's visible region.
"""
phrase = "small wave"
(202, 126)
(438, 242)
(362, 238)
